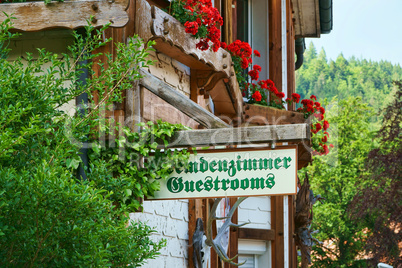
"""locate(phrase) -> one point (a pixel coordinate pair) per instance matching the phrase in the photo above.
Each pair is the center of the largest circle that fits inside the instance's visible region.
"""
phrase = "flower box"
(255, 114)
(263, 115)
(211, 71)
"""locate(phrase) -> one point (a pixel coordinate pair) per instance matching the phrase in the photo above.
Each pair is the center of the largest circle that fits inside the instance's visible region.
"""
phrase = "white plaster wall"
(171, 71)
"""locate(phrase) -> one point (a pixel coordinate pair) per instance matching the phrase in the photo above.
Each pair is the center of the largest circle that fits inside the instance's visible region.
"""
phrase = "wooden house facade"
(197, 89)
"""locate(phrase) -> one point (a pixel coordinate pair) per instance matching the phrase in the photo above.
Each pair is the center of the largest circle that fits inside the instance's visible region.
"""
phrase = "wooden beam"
(180, 101)
(233, 249)
(263, 115)
(278, 246)
(290, 39)
(242, 135)
(292, 244)
(275, 42)
(36, 16)
(256, 234)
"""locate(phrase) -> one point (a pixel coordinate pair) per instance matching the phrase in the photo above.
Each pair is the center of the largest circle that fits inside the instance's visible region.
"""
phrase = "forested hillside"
(370, 80)
(360, 179)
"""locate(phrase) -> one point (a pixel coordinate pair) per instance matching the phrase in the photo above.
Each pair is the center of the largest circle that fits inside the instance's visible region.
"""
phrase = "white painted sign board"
(234, 172)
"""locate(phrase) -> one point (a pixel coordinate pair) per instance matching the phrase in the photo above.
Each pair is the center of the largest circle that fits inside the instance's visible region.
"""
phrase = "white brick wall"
(257, 211)
(170, 220)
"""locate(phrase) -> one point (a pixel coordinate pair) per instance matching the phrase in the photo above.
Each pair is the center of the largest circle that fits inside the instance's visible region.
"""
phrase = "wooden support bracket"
(180, 101)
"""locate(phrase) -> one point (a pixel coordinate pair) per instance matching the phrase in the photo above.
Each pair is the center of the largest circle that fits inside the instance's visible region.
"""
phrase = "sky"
(369, 29)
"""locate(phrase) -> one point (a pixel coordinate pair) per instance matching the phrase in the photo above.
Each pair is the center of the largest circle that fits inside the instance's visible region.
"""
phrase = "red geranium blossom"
(295, 97)
(280, 95)
(257, 53)
(254, 74)
(257, 67)
(318, 127)
(191, 27)
(257, 96)
(202, 45)
(313, 97)
(325, 125)
(321, 109)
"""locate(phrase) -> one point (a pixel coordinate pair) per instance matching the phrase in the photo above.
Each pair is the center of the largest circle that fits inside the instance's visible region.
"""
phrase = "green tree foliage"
(334, 177)
(370, 80)
(49, 217)
(380, 202)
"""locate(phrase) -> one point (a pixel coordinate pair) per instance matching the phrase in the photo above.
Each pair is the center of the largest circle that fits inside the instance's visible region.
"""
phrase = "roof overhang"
(306, 18)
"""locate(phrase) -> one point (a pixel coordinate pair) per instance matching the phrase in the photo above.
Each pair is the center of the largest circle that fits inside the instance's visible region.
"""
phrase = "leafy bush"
(49, 216)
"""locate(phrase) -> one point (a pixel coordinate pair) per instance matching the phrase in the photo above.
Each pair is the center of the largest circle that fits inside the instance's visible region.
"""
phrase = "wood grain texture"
(151, 23)
(290, 54)
(173, 41)
(36, 16)
(256, 234)
(180, 101)
(278, 257)
(263, 115)
(249, 135)
(155, 108)
(275, 42)
(233, 236)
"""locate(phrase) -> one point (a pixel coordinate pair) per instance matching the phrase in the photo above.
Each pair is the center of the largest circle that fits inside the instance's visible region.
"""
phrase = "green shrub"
(48, 216)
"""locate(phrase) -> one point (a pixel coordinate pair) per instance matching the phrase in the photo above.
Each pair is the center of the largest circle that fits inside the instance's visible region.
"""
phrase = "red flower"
(256, 53)
(306, 102)
(191, 27)
(257, 96)
(216, 46)
(223, 45)
(318, 127)
(319, 117)
(257, 68)
(324, 139)
(322, 110)
(331, 146)
(295, 97)
(244, 63)
(325, 125)
(274, 90)
(202, 45)
(254, 74)
(317, 104)
(326, 150)
(280, 95)
(313, 97)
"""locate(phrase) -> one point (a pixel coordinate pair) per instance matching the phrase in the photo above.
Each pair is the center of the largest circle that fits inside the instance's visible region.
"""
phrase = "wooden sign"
(233, 172)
